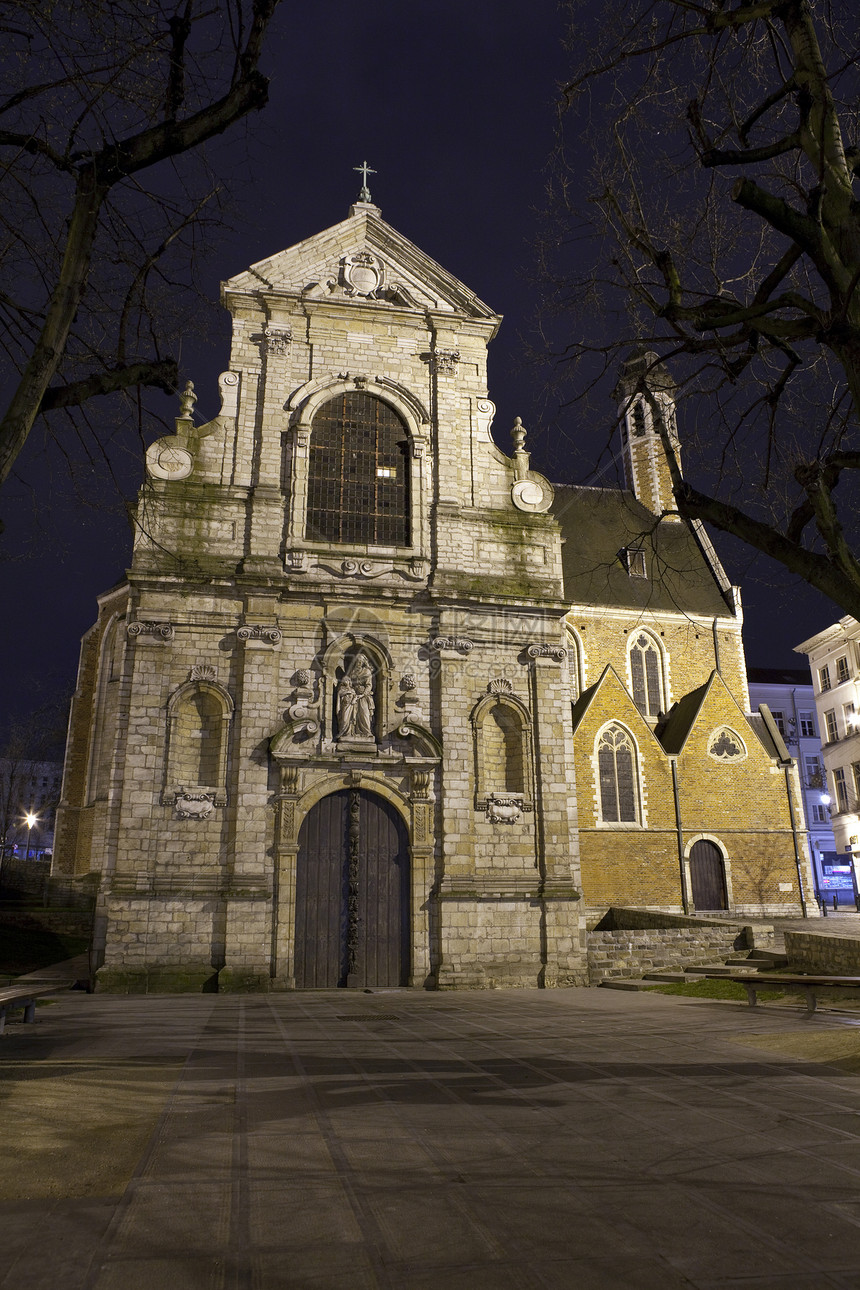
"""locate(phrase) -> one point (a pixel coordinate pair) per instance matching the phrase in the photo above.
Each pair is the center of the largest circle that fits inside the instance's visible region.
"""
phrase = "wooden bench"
(22, 996)
(810, 985)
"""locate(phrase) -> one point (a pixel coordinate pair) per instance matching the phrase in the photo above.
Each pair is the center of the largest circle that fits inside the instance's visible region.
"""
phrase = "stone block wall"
(632, 953)
(831, 955)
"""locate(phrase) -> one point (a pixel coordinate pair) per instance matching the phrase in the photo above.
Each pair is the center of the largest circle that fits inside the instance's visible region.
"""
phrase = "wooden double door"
(352, 894)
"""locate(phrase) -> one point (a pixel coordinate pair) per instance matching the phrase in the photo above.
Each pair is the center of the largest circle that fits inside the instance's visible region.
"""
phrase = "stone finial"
(518, 434)
(187, 399)
(520, 456)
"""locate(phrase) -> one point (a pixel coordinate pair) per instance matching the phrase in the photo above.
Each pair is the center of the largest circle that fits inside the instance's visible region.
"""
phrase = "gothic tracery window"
(726, 745)
(358, 487)
(616, 765)
(645, 675)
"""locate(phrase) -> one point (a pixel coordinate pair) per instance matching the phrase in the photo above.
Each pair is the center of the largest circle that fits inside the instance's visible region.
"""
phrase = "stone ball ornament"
(533, 494)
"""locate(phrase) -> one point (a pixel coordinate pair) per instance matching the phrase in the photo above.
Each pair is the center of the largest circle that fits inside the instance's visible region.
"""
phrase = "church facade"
(376, 705)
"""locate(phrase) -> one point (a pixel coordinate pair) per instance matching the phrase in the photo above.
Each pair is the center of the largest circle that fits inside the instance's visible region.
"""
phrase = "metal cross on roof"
(364, 195)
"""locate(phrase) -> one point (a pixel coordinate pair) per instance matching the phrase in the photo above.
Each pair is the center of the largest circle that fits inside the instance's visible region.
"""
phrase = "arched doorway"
(707, 875)
(352, 894)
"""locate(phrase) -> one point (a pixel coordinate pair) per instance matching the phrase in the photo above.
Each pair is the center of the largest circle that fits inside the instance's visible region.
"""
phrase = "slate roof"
(779, 676)
(684, 573)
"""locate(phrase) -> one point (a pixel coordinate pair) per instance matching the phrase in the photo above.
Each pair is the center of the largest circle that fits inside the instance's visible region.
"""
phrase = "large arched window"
(616, 768)
(358, 487)
(646, 675)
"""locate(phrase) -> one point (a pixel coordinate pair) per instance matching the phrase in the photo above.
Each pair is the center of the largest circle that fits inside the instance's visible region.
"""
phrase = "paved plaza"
(470, 1141)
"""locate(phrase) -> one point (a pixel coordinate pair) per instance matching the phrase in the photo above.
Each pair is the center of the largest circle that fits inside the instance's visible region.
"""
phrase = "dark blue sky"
(453, 104)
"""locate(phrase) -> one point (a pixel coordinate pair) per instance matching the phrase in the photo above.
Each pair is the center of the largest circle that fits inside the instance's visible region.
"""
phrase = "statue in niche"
(355, 705)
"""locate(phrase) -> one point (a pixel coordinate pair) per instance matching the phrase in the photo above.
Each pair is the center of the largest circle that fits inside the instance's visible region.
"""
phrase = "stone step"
(715, 969)
(624, 983)
(676, 978)
(757, 964)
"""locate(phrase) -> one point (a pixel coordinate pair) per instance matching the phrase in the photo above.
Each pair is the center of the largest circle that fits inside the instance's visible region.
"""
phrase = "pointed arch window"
(646, 675)
(616, 767)
(358, 485)
(574, 665)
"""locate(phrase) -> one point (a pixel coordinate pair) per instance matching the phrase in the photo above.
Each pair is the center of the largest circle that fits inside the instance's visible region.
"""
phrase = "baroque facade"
(377, 705)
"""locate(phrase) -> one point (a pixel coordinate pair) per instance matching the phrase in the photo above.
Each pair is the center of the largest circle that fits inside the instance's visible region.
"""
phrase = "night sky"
(453, 104)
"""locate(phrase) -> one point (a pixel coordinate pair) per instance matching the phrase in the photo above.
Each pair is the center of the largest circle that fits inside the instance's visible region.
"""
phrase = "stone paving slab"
(483, 1140)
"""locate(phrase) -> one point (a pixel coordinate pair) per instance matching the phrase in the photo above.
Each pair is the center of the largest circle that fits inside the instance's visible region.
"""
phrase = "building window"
(726, 745)
(819, 813)
(779, 719)
(814, 777)
(574, 666)
(855, 771)
(645, 675)
(824, 678)
(807, 725)
(358, 488)
(841, 789)
(832, 728)
(616, 766)
(633, 559)
(841, 670)
(849, 717)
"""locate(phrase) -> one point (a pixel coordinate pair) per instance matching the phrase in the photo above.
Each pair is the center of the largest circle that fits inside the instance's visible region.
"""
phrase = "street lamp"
(30, 819)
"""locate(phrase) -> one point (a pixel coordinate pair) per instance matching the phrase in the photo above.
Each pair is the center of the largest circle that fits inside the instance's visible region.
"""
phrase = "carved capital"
(547, 651)
(278, 341)
(445, 361)
(271, 635)
(162, 631)
(461, 644)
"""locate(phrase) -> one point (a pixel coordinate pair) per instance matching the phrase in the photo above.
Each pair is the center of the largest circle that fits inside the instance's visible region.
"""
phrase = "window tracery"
(616, 768)
(646, 675)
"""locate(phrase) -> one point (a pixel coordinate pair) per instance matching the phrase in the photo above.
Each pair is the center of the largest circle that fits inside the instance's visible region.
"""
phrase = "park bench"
(23, 996)
(810, 985)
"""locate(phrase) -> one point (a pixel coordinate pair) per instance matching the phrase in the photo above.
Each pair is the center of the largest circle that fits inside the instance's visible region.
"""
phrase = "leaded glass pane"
(357, 473)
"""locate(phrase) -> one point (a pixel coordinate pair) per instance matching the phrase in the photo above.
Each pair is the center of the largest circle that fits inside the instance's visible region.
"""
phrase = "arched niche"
(502, 733)
(199, 714)
(340, 661)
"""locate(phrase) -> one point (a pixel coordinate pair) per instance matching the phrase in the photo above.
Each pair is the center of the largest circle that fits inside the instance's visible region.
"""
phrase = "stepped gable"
(599, 523)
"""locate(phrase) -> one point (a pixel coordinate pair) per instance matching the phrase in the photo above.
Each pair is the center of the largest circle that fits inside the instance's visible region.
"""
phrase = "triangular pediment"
(361, 260)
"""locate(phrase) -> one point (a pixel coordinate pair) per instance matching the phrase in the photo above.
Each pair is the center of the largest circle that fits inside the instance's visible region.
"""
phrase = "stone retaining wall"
(69, 922)
(631, 953)
(31, 881)
(814, 952)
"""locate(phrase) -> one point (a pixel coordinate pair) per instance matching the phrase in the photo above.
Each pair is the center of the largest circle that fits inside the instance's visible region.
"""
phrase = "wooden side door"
(707, 876)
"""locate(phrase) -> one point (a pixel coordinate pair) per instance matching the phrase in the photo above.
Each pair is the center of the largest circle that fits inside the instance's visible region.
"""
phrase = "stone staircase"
(747, 961)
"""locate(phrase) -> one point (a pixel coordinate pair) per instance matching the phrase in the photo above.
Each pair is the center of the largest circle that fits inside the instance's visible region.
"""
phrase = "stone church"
(376, 704)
